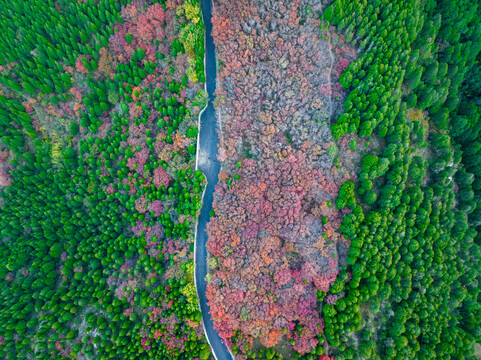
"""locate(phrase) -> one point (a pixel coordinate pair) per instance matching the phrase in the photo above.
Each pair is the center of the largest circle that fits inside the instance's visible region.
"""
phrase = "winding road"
(207, 162)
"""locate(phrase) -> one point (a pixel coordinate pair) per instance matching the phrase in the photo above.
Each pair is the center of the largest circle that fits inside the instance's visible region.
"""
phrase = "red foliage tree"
(161, 177)
(267, 232)
(79, 64)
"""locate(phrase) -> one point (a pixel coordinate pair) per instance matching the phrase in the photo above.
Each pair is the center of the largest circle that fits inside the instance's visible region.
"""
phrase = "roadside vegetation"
(400, 86)
(99, 194)
(345, 221)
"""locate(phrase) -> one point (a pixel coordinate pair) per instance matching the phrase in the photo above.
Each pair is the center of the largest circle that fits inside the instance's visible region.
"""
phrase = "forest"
(346, 215)
(347, 212)
(99, 194)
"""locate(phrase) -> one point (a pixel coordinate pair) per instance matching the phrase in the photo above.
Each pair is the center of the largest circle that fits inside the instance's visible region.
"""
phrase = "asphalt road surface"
(207, 162)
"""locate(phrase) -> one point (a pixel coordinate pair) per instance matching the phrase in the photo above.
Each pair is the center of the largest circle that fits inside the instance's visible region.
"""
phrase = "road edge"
(199, 122)
(201, 200)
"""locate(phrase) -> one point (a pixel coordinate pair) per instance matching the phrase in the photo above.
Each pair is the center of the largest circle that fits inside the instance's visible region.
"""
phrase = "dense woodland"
(272, 254)
(415, 253)
(99, 193)
(408, 287)
(347, 212)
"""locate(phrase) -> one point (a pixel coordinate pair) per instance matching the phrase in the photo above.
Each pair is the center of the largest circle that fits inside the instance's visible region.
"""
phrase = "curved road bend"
(207, 162)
